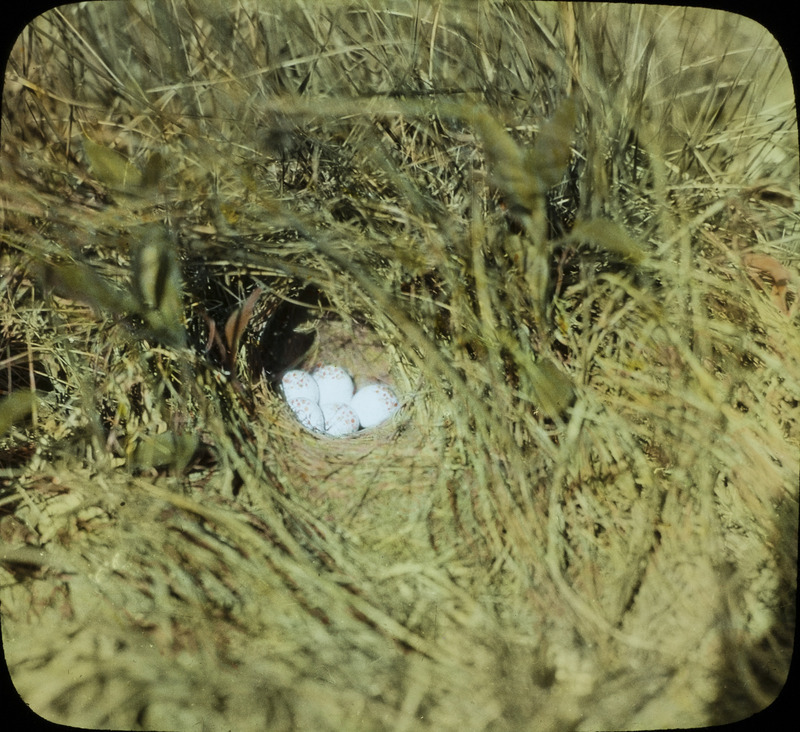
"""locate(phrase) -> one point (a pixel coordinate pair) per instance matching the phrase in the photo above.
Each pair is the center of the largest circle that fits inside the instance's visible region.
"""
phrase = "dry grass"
(574, 232)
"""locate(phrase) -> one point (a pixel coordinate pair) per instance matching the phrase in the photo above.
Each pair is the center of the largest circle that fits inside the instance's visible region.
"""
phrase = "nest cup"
(299, 327)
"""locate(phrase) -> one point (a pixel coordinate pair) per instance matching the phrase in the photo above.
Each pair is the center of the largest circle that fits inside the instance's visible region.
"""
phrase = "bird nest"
(571, 254)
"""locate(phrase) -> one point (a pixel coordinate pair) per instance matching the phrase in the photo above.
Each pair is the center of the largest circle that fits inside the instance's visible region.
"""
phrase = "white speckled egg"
(308, 413)
(299, 384)
(335, 385)
(340, 420)
(373, 404)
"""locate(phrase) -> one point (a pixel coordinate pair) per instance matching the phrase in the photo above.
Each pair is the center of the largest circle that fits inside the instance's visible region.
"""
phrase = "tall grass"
(570, 235)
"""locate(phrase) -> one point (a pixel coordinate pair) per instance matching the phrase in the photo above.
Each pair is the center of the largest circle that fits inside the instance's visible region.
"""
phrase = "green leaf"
(507, 163)
(609, 236)
(554, 391)
(14, 407)
(552, 150)
(522, 175)
(168, 449)
(153, 170)
(112, 168)
(80, 282)
(157, 284)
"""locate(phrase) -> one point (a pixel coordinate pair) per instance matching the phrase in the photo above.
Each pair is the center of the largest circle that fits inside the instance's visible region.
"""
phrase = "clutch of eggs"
(299, 384)
(374, 404)
(324, 401)
(340, 419)
(334, 383)
(308, 413)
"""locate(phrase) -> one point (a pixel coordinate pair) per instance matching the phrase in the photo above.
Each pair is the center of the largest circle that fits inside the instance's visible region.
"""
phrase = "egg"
(335, 385)
(308, 412)
(340, 419)
(373, 404)
(299, 384)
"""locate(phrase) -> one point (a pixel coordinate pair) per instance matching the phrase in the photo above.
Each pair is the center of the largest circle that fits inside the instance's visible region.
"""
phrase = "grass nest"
(567, 235)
